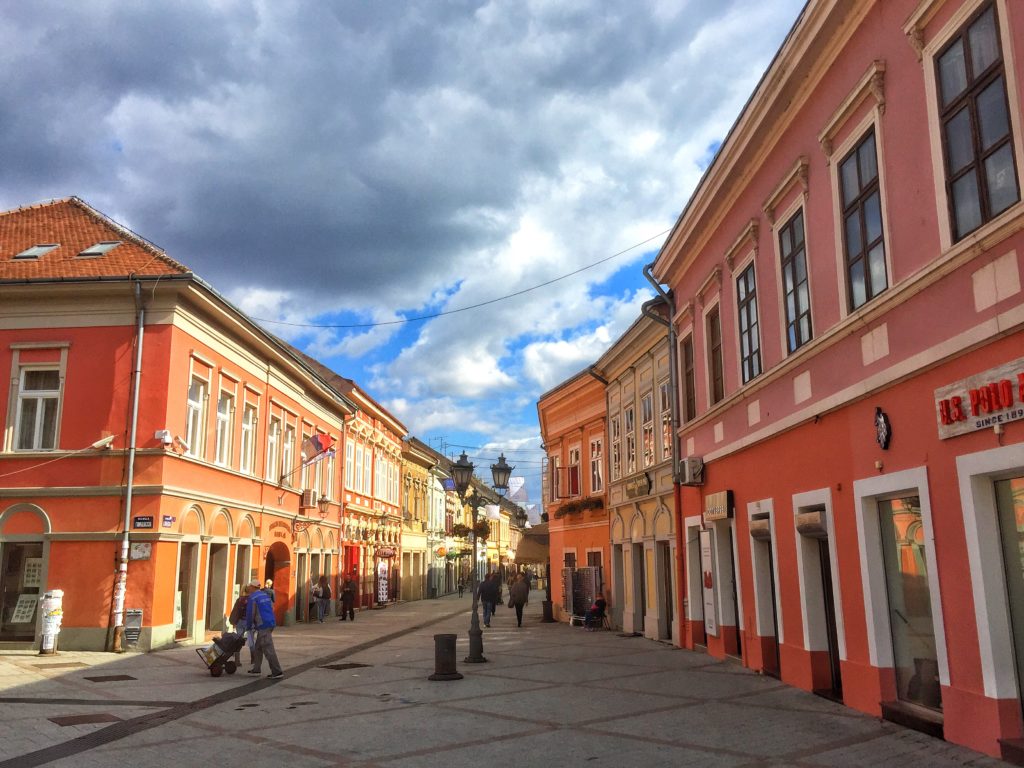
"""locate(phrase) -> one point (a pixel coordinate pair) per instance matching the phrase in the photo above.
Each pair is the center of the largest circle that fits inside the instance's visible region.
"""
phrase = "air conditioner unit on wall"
(309, 498)
(691, 471)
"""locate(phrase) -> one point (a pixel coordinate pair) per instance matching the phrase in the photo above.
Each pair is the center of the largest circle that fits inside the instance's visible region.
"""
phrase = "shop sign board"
(707, 580)
(984, 400)
(718, 506)
(638, 485)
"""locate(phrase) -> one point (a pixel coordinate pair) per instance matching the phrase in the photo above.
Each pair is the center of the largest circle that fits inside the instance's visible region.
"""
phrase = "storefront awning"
(533, 547)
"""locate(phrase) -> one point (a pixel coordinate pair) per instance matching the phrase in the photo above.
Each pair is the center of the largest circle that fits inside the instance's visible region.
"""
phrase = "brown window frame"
(793, 256)
(976, 84)
(858, 204)
(689, 380)
(751, 365)
(716, 365)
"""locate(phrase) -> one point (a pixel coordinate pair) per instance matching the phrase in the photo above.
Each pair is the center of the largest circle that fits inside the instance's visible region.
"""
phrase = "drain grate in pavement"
(348, 665)
(109, 678)
(62, 665)
(100, 717)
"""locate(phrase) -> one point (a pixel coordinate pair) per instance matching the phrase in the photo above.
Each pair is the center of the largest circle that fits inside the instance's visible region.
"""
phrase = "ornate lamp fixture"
(323, 505)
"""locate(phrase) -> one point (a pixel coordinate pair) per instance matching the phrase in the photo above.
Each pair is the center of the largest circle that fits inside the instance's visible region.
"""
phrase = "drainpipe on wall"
(121, 581)
(672, 372)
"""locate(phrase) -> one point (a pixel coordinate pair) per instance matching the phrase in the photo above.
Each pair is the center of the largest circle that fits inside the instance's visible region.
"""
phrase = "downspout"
(672, 372)
(121, 582)
(677, 489)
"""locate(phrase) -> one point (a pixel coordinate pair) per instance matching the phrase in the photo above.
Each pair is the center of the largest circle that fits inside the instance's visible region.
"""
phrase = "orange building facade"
(208, 417)
(572, 422)
(850, 335)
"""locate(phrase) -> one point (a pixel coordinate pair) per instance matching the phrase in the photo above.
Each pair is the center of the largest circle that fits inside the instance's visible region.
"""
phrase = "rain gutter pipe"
(646, 310)
(121, 582)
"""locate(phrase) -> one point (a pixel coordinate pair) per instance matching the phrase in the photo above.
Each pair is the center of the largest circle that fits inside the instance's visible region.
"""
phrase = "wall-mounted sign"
(167, 521)
(718, 506)
(142, 521)
(32, 574)
(638, 485)
(280, 530)
(441, 551)
(384, 552)
(140, 550)
(980, 401)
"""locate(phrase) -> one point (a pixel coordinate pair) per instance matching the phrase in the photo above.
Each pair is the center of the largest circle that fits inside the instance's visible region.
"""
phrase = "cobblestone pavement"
(357, 694)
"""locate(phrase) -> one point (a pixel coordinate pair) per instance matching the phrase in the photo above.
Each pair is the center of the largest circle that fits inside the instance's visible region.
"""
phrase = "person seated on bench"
(594, 617)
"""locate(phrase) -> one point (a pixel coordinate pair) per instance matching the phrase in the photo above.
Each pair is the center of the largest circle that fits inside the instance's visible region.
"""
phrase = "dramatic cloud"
(384, 160)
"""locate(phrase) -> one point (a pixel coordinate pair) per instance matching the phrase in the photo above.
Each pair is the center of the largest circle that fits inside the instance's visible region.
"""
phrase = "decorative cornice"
(747, 238)
(871, 83)
(798, 173)
(714, 279)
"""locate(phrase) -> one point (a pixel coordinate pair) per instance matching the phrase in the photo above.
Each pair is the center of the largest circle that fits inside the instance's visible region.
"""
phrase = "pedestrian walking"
(462, 587)
(237, 619)
(322, 592)
(348, 598)
(487, 596)
(268, 588)
(259, 616)
(519, 596)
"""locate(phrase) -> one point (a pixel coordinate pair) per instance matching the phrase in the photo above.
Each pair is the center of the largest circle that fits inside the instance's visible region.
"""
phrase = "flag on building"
(316, 444)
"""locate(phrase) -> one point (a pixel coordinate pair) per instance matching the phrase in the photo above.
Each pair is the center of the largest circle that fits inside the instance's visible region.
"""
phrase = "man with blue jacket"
(259, 615)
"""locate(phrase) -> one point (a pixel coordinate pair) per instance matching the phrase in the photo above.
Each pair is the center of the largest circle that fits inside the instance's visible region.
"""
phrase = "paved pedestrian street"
(357, 694)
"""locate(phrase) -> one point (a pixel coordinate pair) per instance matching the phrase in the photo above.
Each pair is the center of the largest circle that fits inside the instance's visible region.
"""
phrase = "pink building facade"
(850, 341)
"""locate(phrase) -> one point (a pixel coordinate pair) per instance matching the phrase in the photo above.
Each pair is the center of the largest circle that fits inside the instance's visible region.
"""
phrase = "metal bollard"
(444, 658)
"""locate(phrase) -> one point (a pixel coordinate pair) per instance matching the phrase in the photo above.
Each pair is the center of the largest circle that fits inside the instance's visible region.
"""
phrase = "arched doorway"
(24, 566)
(278, 568)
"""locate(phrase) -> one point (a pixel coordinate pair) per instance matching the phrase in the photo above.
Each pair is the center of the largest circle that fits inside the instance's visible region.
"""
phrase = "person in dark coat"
(237, 620)
(519, 594)
(348, 598)
(487, 594)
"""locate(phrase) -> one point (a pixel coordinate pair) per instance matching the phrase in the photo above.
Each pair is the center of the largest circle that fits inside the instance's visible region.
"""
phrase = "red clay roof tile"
(75, 226)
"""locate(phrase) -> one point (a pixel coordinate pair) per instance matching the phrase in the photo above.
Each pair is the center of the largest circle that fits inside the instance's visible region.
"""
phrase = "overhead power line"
(507, 296)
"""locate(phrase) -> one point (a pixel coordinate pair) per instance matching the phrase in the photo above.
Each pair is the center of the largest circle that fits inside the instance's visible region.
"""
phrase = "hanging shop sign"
(384, 552)
(718, 506)
(984, 400)
(441, 551)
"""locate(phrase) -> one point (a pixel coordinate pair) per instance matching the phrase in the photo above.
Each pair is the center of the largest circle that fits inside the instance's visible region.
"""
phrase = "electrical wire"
(434, 315)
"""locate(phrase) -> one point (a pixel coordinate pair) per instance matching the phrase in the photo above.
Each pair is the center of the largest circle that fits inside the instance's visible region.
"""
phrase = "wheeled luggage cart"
(217, 656)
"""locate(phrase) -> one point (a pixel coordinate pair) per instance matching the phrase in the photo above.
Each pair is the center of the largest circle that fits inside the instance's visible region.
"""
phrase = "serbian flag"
(315, 445)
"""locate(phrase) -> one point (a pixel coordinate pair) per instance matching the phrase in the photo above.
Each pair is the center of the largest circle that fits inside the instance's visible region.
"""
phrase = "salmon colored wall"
(85, 571)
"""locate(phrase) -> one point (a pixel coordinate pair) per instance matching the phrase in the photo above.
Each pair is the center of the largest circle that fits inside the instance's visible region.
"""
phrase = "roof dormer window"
(36, 251)
(99, 249)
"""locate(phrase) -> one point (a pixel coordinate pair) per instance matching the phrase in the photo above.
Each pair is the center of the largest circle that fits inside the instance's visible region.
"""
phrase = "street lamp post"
(462, 475)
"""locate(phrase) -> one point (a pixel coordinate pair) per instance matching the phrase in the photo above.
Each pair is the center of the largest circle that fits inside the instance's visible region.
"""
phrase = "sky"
(342, 170)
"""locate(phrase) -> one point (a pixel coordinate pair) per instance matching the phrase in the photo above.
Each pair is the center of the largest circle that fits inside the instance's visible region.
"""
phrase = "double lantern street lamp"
(462, 476)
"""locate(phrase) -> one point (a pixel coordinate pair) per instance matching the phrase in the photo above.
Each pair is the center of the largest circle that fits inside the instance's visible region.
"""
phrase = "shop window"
(977, 141)
(20, 584)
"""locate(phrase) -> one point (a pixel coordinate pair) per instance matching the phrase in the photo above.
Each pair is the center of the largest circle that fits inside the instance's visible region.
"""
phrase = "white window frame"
(368, 488)
(357, 476)
(328, 481)
(304, 473)
(225, 428)
(647, 445)
(615, 428)
(247, 446)
(40, 396)
(195, 416)
(812, 610)
(763, 606)
(866, 495)
(596, 464)
(273, 449)
(287, 455)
